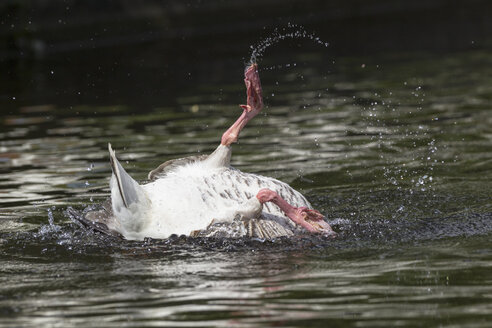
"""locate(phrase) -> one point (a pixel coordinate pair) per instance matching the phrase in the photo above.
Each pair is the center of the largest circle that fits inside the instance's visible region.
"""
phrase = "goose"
(204, 196)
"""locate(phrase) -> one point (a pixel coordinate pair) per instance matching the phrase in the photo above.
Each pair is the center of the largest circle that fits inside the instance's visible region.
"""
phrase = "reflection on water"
(396, 153)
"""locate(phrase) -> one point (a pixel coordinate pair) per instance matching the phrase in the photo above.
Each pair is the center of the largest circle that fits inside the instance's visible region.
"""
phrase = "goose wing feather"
(172, 164)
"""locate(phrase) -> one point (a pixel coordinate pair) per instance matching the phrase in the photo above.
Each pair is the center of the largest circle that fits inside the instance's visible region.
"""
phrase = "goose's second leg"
(253, 107)
(309, 219)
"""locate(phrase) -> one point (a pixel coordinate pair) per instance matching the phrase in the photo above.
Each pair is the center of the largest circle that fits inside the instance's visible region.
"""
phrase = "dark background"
(144, 53)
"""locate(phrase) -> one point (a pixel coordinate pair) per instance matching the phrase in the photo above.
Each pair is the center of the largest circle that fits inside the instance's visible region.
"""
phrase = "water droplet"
(292, 31)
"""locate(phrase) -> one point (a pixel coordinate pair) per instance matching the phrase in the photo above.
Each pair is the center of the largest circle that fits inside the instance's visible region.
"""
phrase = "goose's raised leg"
(253, 107)
(309, 219)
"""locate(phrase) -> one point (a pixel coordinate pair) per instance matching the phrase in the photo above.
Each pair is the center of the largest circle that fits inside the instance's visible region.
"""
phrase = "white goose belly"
(191, 197)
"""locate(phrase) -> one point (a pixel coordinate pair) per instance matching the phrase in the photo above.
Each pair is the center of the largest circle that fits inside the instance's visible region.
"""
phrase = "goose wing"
(265, 226)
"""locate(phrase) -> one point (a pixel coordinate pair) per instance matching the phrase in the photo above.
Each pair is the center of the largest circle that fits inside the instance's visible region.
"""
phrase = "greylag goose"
(205, 196)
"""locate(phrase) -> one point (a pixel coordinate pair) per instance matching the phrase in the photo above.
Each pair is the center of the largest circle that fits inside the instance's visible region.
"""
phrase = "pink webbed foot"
(253, 90)
(309, 219)
(312, 220)
(254, 105)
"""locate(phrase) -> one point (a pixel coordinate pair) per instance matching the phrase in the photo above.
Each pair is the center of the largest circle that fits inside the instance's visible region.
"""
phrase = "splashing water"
(413, 174)
(51, 219)
(292, 31)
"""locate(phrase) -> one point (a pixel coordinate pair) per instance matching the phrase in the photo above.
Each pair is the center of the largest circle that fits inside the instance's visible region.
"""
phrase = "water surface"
(395, 150)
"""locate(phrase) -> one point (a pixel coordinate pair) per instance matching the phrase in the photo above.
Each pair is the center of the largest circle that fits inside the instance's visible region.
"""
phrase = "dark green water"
(395, 150)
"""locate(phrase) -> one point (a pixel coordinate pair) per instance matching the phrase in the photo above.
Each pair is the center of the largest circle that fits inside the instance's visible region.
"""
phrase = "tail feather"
(130, 203)
(126, 185)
